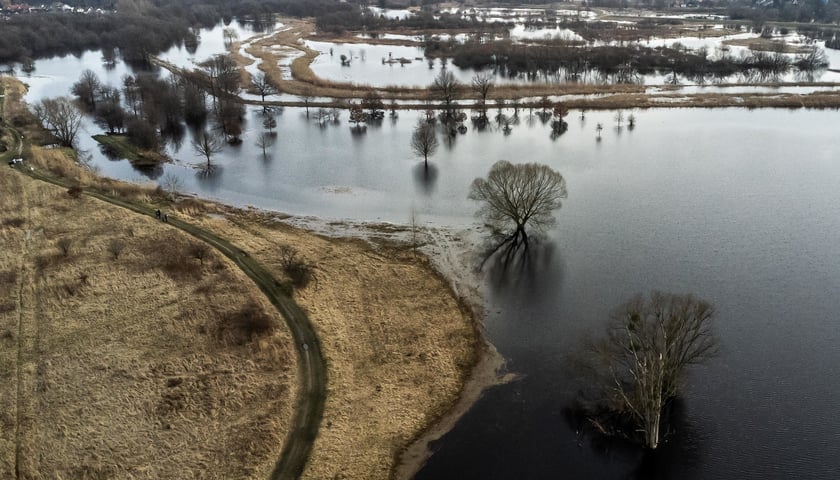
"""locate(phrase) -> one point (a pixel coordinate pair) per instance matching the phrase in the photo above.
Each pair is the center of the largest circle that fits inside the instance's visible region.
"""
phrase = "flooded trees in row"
(516, 196)
(633, 373)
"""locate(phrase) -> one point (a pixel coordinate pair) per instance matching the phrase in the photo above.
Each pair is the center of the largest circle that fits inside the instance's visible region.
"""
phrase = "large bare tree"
(514, 196)
(61, 117)
(263, 86)
(639, 366)
(424, 142)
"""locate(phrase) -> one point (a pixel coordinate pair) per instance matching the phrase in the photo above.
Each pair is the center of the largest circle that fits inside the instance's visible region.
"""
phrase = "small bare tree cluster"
(639, 366)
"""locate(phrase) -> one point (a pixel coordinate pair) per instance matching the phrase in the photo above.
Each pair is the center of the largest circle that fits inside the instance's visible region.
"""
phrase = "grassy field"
(128, 349)
(398, 344)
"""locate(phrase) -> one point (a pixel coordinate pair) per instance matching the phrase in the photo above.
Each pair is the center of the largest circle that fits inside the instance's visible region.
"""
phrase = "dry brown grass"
(146, 364)
(397, 343)
(768, 45)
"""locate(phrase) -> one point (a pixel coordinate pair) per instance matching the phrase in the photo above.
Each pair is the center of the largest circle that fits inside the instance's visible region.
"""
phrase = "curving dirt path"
(312, 368)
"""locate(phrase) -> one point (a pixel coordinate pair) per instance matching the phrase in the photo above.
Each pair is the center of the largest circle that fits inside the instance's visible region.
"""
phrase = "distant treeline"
(355, 19)
(619, 63)
(138, 28)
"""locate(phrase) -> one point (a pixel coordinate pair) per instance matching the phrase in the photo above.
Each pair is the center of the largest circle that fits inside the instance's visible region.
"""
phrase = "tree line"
(138, 28)
(619, 63)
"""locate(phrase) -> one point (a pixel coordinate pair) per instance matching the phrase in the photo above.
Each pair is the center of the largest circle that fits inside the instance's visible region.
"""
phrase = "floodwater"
(738, 207)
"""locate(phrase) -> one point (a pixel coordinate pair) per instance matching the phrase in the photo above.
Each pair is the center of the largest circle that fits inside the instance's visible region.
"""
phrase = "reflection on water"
(425, 177)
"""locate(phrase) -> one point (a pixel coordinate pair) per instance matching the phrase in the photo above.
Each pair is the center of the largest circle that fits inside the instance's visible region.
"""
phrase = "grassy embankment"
(128, 349)
(119, 146)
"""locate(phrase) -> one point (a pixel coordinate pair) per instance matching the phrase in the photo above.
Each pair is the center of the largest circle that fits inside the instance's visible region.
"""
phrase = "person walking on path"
(157, 214)
(166, 217)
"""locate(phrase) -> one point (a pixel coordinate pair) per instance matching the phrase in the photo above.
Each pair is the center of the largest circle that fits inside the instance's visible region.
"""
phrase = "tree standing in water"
(424, 142)
(514, 196)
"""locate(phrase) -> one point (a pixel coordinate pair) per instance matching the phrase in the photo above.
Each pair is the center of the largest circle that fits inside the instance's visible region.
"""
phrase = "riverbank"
(399, 343)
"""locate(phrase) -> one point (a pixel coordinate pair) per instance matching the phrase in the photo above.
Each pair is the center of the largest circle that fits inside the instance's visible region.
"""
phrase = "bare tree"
(230, 37)
(639, 366)
(87, 88)
(518, 194)
(424, 142)
(60, 116)
(171, 183)
(264, 141)
(482, 83)
(229, 117)
(306, 96)
(263, 85)
(224, 75)
(270, 123)
(207, 145)
(373, 101)
(445, 88)
(357, 116)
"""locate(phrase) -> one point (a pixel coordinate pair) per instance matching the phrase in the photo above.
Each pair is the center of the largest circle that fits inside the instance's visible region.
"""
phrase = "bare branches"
(424, 142)
(60, 116)
(207, 145)
(263, 85)
(640, 364)
(520, 194)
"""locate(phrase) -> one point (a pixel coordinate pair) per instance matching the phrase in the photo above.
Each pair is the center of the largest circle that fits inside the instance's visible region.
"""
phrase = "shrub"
(245, 324)
(298, 270)
(115, 247)
(8, 278)
(16, 222)
(75, 191)
(64, 245)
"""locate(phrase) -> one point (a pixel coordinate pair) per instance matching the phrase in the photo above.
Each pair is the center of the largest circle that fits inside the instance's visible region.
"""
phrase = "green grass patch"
(119, 146)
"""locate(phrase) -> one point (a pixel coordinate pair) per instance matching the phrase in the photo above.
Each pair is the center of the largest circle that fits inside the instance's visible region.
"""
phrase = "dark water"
(739, 207)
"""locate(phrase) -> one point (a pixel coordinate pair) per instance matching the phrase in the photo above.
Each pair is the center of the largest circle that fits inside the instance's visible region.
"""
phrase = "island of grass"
(120, 146)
